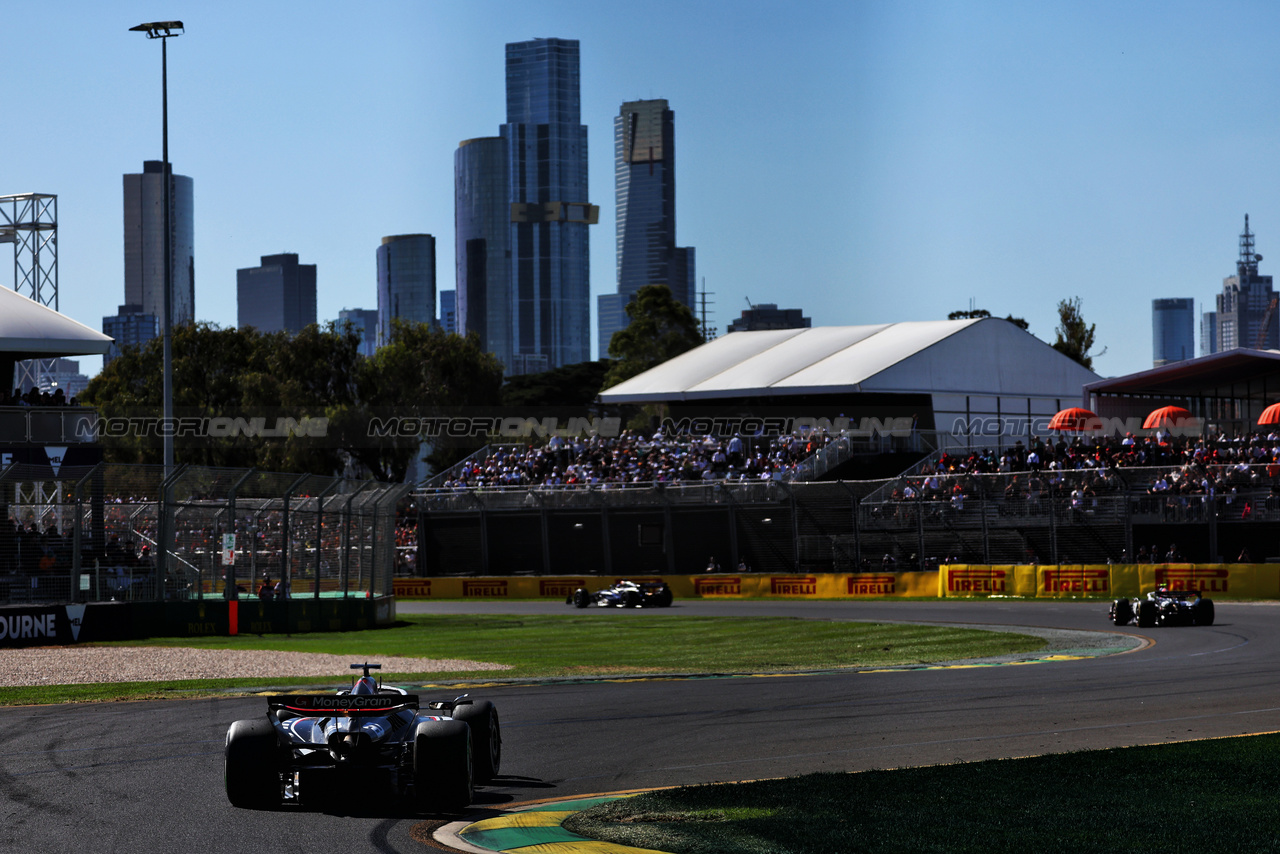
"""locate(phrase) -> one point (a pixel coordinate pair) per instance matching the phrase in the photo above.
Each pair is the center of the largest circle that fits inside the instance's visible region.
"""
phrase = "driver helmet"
(365, 685)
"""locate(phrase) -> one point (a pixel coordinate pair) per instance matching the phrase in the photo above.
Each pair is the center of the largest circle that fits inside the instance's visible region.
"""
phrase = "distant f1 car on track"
(624, 594)
(1164, 607)
(312, 749)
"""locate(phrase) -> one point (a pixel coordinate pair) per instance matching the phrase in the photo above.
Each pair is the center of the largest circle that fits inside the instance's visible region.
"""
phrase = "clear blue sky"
(864, 161)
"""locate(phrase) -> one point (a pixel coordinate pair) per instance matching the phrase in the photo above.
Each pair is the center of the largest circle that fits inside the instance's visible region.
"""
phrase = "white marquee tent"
(983, 371)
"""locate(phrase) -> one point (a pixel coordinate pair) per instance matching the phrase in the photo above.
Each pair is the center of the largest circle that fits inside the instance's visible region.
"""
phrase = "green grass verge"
(1205, 796)
(585, 645)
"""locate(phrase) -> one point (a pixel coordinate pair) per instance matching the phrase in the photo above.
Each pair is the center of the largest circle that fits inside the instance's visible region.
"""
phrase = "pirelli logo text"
(793, 585)
(1077, 581)
(420, 587)
(1195, 578)
(718, 585)
(871, 585)
(977, 581)
(488, 588)
(560, 587)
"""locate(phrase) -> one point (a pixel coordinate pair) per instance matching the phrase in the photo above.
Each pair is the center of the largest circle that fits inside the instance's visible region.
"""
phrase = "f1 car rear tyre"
(1147, 614)
(486, 739)
(251, 765)
(442, 766)
(581, 598)
(1122, 612)
(1203, 612)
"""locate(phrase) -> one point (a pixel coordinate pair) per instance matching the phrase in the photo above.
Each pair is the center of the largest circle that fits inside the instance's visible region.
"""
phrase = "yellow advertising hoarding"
(1064, 581)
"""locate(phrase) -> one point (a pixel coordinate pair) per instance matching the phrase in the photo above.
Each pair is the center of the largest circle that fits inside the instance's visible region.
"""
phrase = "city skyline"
(843, 153)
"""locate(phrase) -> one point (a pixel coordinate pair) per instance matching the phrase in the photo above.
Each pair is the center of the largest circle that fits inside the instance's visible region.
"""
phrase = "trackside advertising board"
(1106, 581)
(1065, 581)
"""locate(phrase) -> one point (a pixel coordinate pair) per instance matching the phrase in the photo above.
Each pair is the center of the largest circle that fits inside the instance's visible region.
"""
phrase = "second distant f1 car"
(1164, 607)
(624, 594)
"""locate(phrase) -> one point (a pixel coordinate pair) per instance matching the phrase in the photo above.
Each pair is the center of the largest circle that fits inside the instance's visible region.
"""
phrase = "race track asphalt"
(147, 776)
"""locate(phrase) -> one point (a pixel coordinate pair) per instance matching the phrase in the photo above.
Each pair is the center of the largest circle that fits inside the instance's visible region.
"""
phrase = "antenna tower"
(30, 222)
(708, 331)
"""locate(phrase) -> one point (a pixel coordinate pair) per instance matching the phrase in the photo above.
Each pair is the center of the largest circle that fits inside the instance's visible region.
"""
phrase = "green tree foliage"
(318, 373)
(661, 328)
(422, 372)
(982, 312)
(1075, 337)
(568, 386)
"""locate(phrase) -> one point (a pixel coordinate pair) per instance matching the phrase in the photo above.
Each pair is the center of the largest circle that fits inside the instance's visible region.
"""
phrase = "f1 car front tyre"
(631, 599)
(1121, 612)
(486, 738)
(251, 765)
(442, 766)
(581, 598)
(1202, 613)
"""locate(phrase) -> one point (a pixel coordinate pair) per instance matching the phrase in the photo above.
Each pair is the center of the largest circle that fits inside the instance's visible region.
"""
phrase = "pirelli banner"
(1075, 581)
(715, 586)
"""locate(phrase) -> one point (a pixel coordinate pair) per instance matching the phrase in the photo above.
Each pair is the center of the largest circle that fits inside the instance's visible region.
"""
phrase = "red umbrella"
(1270, 415)
(1167, 416)
(1075, 419)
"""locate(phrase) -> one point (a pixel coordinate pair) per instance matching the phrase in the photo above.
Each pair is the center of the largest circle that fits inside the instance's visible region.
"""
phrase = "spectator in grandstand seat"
(267, 590)
(712, 564)
(1143, 556)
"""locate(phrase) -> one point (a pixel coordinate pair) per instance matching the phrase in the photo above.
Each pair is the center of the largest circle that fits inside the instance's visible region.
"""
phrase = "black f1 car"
(1164, 607)
(624, 594)
(311, 748)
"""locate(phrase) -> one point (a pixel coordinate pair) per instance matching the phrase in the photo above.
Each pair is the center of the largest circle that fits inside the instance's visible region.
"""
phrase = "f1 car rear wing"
(343, 705)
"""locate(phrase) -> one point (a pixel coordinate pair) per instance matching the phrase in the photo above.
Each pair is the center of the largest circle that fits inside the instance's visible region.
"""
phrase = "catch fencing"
(128, 534)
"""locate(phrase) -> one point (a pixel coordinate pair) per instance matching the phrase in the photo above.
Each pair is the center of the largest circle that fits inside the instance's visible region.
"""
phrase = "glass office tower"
(1173, 330)
(645, 187)
(482, 220)
(144, 242)
(406, 281)
(278, 296)
(546, 179)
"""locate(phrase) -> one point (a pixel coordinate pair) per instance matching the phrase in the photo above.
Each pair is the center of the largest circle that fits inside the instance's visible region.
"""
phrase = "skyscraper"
(1246, 309)
(482, 265)
(541, 319)
(449, 311)
(144, 242)
(365, 322)
(406, 281)
(645, 186)
(278, 296)
(1173, 330)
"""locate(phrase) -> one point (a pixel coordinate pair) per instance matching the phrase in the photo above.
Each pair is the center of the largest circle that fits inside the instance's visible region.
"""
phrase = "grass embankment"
(585, 645)
(1205, 796)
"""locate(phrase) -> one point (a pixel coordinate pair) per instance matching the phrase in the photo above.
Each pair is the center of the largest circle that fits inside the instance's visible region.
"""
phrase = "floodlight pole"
(164, 30)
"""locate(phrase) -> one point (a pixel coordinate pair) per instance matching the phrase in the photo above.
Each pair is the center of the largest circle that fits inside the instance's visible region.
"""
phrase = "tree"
(568, 386)
(661, 328)
(982, 312)
(1075, 338)
(422, 372)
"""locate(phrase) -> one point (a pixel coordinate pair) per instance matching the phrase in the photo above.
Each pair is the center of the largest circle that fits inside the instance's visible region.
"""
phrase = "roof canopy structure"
(985, 356)
(29, 330)
(1227, 390)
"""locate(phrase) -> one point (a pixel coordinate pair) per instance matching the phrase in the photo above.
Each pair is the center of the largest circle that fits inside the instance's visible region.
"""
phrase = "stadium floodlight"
(159, 29)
